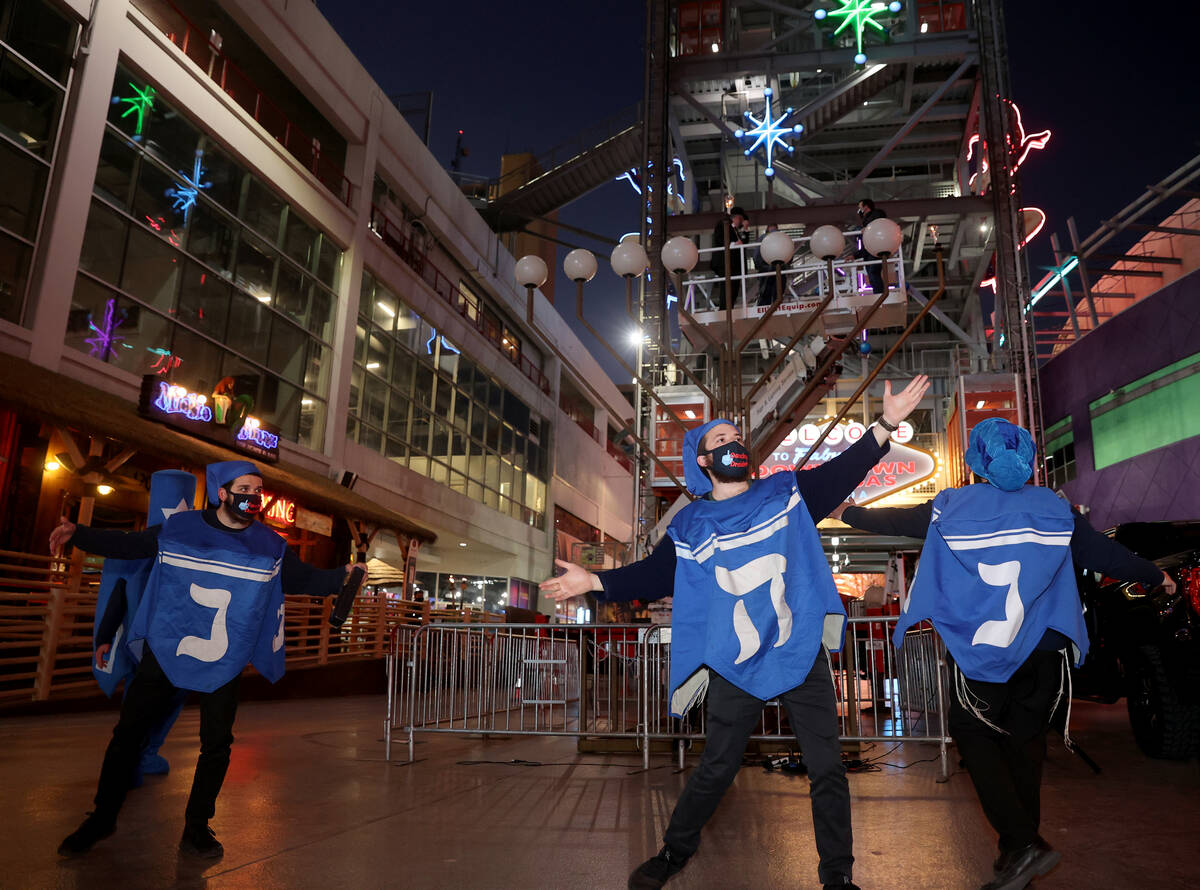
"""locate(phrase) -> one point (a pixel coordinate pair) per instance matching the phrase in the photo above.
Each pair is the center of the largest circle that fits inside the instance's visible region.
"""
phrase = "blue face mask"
(730, 462)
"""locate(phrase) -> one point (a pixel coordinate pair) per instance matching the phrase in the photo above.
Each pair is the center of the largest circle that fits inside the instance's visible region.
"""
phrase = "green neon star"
(141, 102)
(861, 15)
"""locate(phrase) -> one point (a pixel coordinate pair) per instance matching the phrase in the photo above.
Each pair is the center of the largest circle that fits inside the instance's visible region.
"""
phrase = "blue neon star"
(185, 195)
(769, 133)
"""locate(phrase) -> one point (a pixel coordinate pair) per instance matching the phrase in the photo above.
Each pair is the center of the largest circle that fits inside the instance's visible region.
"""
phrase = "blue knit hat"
(697, 480)
(1002, 453)
(220, 474)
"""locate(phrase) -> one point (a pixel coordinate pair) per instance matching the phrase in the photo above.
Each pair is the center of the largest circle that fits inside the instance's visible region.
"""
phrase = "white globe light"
(580, 265)
(777, 247)
(629, 259)
(881, 237)
(827, 242)
(679, 255)
(531, 271)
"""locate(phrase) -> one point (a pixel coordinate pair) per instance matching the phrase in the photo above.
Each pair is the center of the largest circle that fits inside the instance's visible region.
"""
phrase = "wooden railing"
(48, 605)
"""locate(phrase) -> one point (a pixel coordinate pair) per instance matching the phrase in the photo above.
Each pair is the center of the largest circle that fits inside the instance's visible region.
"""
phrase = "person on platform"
(867, 214)
(739, 234)
(122, 583)
(755, 609)
(212, 605)
(997, 581)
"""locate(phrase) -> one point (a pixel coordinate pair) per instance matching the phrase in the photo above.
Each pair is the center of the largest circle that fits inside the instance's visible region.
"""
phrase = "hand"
(102, 654)
(61, 535)
(575, 581)
(837, 511)
(1168, 584)
(899, 406)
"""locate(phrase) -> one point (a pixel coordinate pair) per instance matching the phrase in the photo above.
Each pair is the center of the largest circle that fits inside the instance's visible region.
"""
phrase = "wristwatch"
(887, 426)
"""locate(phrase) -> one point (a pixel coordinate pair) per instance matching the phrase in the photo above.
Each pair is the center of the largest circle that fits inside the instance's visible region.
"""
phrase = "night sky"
(1116, 90)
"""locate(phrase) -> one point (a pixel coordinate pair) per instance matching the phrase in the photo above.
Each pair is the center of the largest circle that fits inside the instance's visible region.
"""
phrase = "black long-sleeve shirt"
(822, 488)
(1089, 548)
(297, 576)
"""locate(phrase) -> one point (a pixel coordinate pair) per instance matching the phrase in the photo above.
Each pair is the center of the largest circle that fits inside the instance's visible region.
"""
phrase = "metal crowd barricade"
(612, 681)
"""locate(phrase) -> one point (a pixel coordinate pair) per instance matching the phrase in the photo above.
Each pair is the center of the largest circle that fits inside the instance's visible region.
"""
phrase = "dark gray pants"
(732, 718)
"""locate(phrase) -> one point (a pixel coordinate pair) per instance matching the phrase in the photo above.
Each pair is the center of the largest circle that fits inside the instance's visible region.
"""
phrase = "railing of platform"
(611, 681)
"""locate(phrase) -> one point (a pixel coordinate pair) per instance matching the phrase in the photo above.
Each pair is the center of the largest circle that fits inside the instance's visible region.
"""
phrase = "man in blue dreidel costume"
(997, 581)
(755, 608)
(213, 604)
(121, 585)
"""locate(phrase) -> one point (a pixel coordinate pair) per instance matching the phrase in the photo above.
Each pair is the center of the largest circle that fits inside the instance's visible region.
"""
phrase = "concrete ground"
(311, 802)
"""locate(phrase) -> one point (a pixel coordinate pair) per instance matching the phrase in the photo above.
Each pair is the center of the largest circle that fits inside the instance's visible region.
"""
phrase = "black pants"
(874, 270)
(150, 699)
(1006, 767)
(732, 717)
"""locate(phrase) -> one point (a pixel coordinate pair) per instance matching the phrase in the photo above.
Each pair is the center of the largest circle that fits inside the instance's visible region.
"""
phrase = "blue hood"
(225, 472)
(697, 480)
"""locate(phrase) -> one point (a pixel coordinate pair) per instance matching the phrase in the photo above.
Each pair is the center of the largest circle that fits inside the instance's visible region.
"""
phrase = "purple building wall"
(1163, 483)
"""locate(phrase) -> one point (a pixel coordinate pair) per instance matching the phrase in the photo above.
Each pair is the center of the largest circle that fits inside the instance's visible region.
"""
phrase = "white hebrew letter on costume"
(214, 647)
(750, 577)
(1002, 633)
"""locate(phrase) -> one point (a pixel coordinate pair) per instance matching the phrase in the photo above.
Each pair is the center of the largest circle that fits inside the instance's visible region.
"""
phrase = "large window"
(37, 43)
(417, 399)
(1060, 453)
(194, 269)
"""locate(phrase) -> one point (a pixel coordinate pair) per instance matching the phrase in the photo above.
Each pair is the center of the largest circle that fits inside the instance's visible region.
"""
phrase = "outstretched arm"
(105, 542)
(651, 578)
(301, 579)
(1096, 551)
(907, 522)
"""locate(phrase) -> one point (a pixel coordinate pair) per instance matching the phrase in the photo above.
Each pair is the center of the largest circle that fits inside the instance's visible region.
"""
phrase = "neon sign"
(140, 103)
(185, 195)
(634, 177)
(253, 432)
(174, 399)
(106, 338)
(861, 15)
(769, 133)
(166, 362)
(281, 509)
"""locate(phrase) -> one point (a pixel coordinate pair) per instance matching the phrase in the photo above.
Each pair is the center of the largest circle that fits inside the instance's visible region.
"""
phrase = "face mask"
(243, 506)
(730, 461)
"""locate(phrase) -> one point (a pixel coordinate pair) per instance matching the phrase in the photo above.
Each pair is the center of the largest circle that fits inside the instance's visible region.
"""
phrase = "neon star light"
(104, 343)
(185, 195)
(859, 14)
(139, 103)
(768, 133)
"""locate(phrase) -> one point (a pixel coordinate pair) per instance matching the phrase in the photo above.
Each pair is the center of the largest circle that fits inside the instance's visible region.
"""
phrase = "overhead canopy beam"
(836, 214)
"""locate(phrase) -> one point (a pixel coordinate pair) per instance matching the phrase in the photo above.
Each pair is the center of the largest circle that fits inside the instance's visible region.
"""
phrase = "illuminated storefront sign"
(280, 511)
(902, 467)
(208, 417)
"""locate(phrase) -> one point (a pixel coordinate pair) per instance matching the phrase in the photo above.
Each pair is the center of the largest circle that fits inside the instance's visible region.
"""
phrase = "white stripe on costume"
(184, 561)
(1012, 531)
(1051, 539)
(753, 535)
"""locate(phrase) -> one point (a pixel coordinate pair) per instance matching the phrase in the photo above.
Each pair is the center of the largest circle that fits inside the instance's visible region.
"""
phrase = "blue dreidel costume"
(214, 602)
(171, 492)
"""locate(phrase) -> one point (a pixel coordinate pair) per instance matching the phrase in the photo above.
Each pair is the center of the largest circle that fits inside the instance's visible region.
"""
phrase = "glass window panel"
(171, 138)
(462, 408)
(247, 379)
(447, 358)
(132, 102)
(506, 440)
(312, 423)
(356, 388)
(22, 184)
(379, 351)
(375, 398)
(420, 429)
(204, 301)
(352, 429)
(249, 327)
(255, 266)
(493, 433)
(474, 490)
(466, 372)
(491, 498)
(329, 261)
(151, 203)
(439, 472)
(478, 422)
(14, 271)
(408, 330)
(263, 210)
(371, 438)
(495, 398)
(115, 172)
(397, 425)
(396, 449)
(291, 293)
(104, 243)
(211, 237)
(458, 482)
(193, 361)
(403, 368)
(360, 343)
(114, 329)
(280, 406)
(442, 398)
(43, 35)
(441, 439)
(299, 239)
(289, 345)
(320, 312)
(480, 389)
(418, 463)
(458, 444)
(423, 391)
(29, 107)
(384, 307)
(152, 269)
(315, 376)
(224, 177)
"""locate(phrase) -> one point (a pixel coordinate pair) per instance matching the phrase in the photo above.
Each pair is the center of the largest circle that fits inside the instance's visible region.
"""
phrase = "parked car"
(1145, 643)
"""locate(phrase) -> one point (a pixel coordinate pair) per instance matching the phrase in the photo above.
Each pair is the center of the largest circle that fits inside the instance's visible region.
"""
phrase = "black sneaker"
(198, 840)
(1023, 866)
(655, 872)
(93, 830)
(845, 884)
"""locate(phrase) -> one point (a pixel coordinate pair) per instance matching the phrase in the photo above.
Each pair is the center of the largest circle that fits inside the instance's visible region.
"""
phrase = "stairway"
(832, 105)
